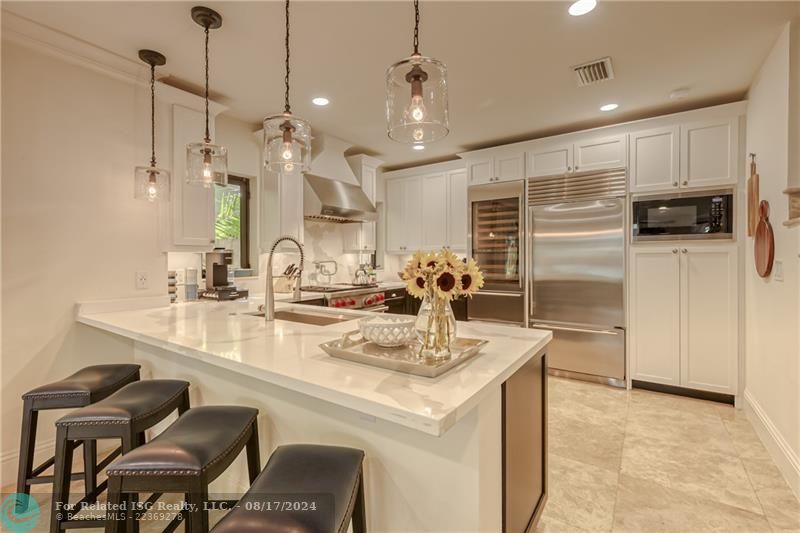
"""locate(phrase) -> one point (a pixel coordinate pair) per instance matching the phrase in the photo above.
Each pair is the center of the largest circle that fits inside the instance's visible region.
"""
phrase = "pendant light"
(287, 138)
(206, 163)
(416, 96)
(152, 183)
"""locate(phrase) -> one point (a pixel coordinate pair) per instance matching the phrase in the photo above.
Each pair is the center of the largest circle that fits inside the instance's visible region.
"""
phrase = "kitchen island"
(462, 452)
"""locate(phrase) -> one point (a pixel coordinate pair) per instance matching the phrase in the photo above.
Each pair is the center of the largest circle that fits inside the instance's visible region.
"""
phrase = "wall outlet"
(141, 281)
(777, 270)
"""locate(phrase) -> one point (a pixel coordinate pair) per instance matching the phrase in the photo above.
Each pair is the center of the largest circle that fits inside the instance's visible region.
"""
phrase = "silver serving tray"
(353, 347)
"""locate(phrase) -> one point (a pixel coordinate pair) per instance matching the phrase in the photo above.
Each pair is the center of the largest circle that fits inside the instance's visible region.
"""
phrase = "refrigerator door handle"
(578, 330)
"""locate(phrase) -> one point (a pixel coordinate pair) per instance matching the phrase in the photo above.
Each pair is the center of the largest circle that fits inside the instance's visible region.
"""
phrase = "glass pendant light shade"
(416, 100)
(206, 164)
(151, 184)
(287, 143)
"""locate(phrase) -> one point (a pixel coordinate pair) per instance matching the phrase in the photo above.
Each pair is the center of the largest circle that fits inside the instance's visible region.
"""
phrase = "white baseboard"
(9, 461)
(787, 461)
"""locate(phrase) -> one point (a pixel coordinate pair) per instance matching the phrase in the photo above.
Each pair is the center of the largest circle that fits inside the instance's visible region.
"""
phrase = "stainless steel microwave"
(703, 215)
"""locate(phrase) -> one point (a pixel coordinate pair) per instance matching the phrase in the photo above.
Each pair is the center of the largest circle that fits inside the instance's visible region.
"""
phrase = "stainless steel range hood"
(331, 192)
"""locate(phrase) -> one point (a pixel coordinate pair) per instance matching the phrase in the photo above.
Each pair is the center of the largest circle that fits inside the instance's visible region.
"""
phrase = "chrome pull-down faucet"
(269, 294)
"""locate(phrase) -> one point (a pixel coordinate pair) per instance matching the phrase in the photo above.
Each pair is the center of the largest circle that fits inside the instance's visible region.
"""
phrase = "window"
(232, 225)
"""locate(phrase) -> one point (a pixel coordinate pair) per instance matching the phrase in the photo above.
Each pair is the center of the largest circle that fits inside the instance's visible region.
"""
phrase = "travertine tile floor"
(642, 462)
(638, 461)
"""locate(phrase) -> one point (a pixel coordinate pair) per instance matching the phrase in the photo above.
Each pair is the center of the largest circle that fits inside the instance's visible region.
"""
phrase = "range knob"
(381, 297)
(368, 301)
(338, 303)
(351, 302)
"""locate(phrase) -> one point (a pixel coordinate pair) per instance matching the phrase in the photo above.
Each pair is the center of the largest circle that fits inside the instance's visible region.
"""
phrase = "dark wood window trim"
(244, 187)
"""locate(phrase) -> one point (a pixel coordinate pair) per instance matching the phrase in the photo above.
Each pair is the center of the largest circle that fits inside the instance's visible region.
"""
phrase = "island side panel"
(414, 481)
(524, 407)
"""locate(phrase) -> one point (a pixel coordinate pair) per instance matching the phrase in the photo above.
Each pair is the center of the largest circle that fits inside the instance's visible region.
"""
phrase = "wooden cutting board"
(765, 241)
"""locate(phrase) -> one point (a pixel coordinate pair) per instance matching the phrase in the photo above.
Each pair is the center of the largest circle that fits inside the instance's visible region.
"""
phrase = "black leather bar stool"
(84, 387)
(297, 470)
(185, 458)
(124, 415)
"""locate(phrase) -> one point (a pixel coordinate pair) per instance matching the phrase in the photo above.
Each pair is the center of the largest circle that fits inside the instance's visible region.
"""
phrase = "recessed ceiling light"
(581, 7)
(419, 147)
(609, 107)
(320, 101)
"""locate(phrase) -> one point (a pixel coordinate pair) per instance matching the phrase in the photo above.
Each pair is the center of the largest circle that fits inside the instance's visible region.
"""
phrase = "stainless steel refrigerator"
(497, 242)
(577, 272)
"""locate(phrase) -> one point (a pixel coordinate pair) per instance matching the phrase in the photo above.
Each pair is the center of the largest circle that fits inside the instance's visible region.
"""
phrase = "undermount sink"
(315, 319)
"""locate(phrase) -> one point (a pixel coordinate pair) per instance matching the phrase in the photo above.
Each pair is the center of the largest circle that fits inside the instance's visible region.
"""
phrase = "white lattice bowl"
(388, 330)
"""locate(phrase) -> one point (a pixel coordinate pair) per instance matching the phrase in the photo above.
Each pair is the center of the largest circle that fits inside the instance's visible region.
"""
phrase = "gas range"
(347, 296)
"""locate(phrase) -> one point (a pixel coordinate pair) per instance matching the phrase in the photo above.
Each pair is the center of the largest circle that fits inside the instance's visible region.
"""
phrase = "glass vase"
(436, 327)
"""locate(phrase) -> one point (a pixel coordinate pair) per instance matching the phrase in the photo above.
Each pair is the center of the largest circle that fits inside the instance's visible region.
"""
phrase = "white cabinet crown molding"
(45, 40)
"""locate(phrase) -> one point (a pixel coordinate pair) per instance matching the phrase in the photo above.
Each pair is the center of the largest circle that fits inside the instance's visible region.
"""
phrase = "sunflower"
(471, 278)
(447, 285)
(417, 285)
(453, 262)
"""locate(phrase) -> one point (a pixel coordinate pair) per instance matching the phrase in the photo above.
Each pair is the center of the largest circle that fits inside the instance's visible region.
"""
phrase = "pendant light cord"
(152, 114)
(287, 107)
(208, 135)
(416, 27)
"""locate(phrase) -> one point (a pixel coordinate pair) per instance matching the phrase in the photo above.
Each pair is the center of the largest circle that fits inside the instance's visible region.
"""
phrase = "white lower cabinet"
(684, 316)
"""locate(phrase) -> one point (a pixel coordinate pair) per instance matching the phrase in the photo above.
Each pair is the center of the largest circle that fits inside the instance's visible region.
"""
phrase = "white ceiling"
(508, 62)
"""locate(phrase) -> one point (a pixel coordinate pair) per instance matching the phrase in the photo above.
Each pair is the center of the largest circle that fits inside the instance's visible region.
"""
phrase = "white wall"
(772, 387)
(71, 229)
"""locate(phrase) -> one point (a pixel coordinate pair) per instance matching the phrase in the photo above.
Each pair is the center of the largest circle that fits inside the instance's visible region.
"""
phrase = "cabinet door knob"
(576, 167)
(674, 250)
(685, 182)
(684, 250)
(569, 169)
(674, 183)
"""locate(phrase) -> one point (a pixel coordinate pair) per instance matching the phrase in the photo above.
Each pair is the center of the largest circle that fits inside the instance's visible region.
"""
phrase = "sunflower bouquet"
(437, 279)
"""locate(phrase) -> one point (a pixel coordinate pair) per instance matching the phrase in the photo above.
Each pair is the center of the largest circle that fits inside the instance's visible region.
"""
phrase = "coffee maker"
(217, 285)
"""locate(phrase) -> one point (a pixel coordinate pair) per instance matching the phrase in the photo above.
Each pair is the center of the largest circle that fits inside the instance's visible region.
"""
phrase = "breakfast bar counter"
(439, 452)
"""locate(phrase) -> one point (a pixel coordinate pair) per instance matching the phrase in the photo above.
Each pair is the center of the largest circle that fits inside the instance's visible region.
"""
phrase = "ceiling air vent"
(594, 72)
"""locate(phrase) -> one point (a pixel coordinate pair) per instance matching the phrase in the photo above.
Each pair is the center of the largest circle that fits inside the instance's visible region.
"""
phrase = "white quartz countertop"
(287, 354)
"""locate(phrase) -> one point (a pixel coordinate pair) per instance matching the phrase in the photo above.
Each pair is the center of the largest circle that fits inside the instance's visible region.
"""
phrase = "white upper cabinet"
(709, 151)
(480, 171)
(404, 210)
(592, 154)
(509, 167)
(457, 213)
(361, 237)
(601, 153)
(434, 211)
(395, 215)
(496, 166)
(281, 209)
(427, 211)
(191, 208)
(548, 160)
(654, 159)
